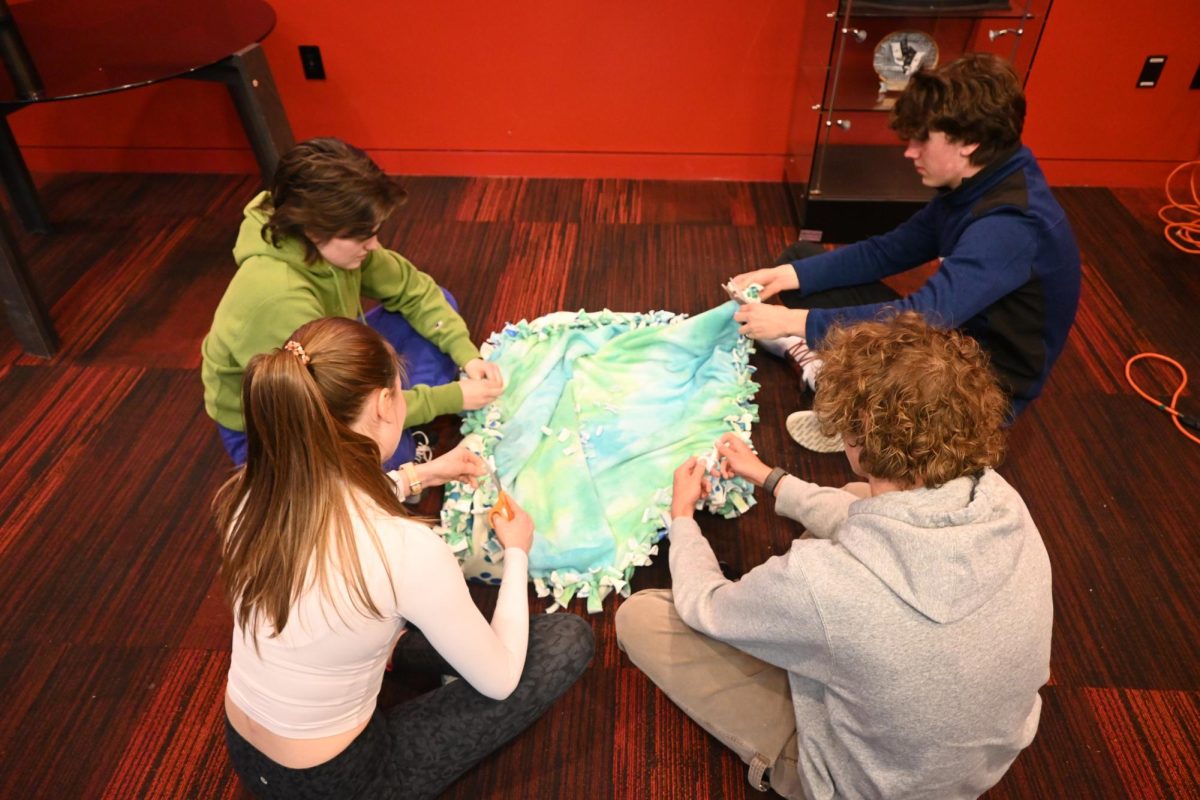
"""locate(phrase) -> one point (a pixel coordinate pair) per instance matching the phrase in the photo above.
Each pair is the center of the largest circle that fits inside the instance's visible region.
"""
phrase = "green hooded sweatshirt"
(274, 292)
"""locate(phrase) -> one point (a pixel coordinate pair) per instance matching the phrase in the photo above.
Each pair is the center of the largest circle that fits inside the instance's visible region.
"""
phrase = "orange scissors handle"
(502, 508)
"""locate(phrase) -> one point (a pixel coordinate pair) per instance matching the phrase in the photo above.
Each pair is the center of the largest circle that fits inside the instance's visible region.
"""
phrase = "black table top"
(62, 49)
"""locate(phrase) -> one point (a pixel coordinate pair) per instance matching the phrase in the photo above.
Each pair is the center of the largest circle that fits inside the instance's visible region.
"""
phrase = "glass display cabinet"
(855, 181)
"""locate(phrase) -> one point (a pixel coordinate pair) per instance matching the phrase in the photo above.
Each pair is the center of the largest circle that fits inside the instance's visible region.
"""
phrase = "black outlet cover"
(310, 62)
(1151, 71)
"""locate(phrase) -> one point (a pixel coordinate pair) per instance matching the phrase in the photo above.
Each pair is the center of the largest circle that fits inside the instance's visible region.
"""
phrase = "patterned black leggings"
(420, 747)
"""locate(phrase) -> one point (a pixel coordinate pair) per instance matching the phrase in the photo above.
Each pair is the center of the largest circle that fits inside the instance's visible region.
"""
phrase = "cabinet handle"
(859, 34)
(844, 124)
(994, 34)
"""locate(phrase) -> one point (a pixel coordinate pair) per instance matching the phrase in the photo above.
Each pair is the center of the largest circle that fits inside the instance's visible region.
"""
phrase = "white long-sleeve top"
(322, 675)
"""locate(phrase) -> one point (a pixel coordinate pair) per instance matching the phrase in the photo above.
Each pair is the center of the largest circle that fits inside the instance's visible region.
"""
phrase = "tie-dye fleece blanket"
(599, 409)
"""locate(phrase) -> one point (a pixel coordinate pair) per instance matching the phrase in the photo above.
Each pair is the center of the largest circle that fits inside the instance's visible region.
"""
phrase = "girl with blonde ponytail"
(326, 573)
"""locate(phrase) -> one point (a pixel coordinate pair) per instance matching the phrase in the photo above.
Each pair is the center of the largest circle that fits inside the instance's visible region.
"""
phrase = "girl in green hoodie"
(309, 248)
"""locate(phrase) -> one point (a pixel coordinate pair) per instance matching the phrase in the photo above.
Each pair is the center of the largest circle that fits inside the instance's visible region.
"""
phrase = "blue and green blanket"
(599, 408)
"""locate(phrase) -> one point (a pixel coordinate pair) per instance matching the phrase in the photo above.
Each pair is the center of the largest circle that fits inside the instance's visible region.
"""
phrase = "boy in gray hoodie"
(896, 650)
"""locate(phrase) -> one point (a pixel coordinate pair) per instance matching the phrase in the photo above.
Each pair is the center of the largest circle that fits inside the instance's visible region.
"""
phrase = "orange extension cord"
(1179, 419)
(1184, 233)
(1183, 219)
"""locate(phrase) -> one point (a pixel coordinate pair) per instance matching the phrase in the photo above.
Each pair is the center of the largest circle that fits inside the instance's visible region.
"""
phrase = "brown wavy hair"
(289, 509)
(326, 189)
(975, 99)
(923, 402)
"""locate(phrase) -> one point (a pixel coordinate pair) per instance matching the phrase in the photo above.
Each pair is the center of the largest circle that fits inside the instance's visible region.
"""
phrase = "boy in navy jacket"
(1009, 273)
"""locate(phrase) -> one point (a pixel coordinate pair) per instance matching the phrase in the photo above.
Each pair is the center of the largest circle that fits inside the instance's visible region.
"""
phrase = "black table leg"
(248, 77)
(25, 311)
(21, 190)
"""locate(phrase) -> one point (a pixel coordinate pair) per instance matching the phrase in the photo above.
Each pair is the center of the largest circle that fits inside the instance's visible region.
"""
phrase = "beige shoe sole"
(806, 430)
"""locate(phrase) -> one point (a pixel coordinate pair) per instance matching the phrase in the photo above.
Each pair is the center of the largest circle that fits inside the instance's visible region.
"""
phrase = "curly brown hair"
(922, 401)
(326, 189)
(975, 99)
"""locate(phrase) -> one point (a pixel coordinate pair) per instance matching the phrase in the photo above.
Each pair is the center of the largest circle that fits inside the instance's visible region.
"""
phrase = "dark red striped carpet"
(114, 638)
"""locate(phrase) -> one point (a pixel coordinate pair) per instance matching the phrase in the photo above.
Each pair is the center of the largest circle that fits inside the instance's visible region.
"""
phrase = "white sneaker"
(779, 347)
(806, 430)
(421, 445)
(794, 350)
(422, 453)
(805, 362)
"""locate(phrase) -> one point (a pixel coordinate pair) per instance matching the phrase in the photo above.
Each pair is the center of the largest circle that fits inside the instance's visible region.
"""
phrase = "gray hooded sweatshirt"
(914, 627)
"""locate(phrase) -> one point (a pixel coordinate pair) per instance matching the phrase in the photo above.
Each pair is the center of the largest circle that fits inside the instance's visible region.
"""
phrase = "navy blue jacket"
(1009, 274)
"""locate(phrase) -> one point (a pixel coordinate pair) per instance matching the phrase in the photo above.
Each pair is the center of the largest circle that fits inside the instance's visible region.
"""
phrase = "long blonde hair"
(287, 510)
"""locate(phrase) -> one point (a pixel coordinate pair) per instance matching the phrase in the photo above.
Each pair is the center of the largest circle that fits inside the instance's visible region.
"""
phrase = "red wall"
(638, 88)
(1088, 122)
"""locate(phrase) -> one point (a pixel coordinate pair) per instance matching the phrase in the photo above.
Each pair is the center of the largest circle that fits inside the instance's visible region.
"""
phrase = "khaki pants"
(743, 702)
